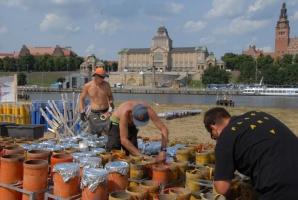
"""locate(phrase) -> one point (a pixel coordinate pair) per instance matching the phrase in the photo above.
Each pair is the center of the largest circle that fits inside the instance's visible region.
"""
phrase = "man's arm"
(162, 127)
(110, 97)
(223, 187)
(82, 99)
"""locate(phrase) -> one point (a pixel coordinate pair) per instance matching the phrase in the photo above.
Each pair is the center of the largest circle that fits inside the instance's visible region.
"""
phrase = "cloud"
(225, 8)
(211, 40)
(108, 27)
(192, 26)
(14, 3)
(54, 23)
(240, 26)
(3, 30)
(90, 48)
(266, 49)
(294, 17)
(175, 8)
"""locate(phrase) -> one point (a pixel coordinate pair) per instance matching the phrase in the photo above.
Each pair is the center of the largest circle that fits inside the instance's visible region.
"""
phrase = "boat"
(225, 101)
(271, 91)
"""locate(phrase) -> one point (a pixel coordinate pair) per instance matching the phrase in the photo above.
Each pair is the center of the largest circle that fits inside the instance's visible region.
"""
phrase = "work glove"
(111, 108)
(83, 116)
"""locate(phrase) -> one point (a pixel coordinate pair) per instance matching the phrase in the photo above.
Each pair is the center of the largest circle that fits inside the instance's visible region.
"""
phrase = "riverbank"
(191, 129)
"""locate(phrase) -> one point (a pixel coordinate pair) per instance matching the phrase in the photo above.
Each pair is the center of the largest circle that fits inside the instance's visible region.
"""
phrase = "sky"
(103, 27)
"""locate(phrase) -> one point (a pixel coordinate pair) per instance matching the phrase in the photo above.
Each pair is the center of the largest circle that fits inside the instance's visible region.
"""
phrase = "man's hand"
(162, 154)
(83, 116)
(112, 105)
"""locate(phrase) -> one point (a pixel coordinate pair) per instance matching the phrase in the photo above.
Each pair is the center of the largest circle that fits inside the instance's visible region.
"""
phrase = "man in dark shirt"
(258, 146)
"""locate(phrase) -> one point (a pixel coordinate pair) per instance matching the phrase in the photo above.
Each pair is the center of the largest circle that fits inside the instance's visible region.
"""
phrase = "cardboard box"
(30, 131)
(3, 128)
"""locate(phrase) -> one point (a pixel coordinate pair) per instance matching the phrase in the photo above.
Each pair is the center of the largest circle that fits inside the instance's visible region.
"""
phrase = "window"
(158, 56)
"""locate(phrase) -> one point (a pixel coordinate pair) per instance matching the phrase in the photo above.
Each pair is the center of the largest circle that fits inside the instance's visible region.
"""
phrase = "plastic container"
(3, 128)
(30, 131)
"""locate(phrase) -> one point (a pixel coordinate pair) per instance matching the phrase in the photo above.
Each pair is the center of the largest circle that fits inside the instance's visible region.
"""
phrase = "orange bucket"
(95, 184)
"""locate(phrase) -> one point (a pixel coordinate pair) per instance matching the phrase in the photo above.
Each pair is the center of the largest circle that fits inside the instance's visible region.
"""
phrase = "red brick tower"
(282, 33)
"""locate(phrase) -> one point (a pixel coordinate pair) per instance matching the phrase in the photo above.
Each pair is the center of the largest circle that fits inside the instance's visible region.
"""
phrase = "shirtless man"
(101, 99)
(124, 122)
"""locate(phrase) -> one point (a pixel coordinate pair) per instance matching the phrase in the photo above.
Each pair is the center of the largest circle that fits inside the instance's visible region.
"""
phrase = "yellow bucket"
(183, 154)
(202, 158)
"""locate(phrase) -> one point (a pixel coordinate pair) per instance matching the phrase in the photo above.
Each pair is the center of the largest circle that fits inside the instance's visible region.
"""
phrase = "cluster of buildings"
(162, 64)
(283, 43)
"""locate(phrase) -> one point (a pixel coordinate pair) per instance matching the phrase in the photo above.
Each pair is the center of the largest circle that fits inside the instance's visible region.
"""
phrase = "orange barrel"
(17, 116)
(66, 179)
(182, 167)
(153, 187)
(183, 154)
(161, 173)
(11, 171)
(38, 155)
(203, 157)
(35, 177)
(94, 184)
(138, 192)
(8, 150)
(173, 171)
(118, 175)
(89, 162)
(180, 193)
(60, 158)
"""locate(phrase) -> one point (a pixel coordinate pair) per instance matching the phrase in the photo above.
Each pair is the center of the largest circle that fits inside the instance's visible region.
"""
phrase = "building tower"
(282, 33)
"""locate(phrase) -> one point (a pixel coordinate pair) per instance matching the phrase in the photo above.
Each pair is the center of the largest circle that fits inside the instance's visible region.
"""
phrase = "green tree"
(230, 60)
(114, 66)
(22, 78)
(215, 75)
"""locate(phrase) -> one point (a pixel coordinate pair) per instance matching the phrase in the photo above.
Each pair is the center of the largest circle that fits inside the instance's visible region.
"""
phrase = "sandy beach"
(190, 129)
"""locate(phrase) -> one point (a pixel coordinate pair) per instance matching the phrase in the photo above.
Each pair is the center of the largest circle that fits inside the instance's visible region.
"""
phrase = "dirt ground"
(191, 129)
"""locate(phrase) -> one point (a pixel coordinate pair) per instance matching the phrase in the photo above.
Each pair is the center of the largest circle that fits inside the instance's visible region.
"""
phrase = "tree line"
(30, 63)
(281, 71)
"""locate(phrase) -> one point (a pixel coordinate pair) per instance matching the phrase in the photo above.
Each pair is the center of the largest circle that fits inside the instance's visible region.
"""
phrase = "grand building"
(164, 57)
(40, 51)
(283, 43)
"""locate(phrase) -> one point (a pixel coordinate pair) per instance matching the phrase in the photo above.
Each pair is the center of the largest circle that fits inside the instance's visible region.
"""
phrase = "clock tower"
(282, 33)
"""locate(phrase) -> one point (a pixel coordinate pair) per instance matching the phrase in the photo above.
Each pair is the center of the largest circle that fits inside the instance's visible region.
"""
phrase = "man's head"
(140, 115)
(100, 72)
(215, 116)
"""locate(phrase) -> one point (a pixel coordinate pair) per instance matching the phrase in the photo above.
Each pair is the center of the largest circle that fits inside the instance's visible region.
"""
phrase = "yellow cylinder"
(202, 158)
(183, 154)
(9, 112)
(17, 115)
(1, 112)
(27, 114)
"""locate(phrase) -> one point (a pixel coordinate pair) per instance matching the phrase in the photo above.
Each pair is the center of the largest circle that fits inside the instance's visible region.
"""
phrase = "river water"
(286, 102)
